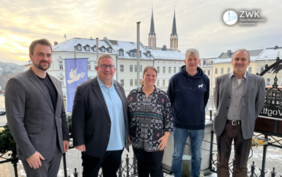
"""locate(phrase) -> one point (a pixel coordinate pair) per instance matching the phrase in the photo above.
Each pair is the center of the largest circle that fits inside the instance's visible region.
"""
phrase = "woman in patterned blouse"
(150, 124)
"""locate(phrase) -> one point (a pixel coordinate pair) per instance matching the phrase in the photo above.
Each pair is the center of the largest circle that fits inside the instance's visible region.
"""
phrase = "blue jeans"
(180, 137)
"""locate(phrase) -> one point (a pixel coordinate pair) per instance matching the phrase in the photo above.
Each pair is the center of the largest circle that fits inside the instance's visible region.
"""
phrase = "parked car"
(2, 111)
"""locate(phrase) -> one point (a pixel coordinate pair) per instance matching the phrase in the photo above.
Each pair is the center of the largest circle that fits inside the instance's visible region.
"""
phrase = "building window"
(94, 48)
(131, 54)
(222, 71)
(79, 47)
(215, 71)
(209, 72)
(158, 69)
(131, 68)
(87, 48)
(267, 81)
(131, 82)
(169, 69)
(135, 68)
(103, 49)
(179, 69)
(250, 69)
(135, 82)
(120, 53)
(121, 68)
(148, 55)
(163, 82)
(122, 82)
(110, 50)
(62, 83)
(228, 70)
(261, 69)
(61, 66)
(158, 83)
(174, 69)
(89, 66)
(164, 69)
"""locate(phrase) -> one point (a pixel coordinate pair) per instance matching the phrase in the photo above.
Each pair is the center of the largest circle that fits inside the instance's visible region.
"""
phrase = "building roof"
(229, 53)
(152, 28)
(270, 53)
(174, 32)
(127, 47)
(168, 54)
(68, 45)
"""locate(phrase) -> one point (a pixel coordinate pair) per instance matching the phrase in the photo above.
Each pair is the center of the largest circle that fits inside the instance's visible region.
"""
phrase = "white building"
(127, 62)
(206, 65)
(167, 62)
(77, 48)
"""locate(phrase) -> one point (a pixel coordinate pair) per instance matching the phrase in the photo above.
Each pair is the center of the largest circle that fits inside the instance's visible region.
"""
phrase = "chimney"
(229, 52)
(276, 47)
(55, 43)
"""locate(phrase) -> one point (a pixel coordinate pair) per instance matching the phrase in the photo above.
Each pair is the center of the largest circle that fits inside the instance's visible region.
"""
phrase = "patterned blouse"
(149, 118)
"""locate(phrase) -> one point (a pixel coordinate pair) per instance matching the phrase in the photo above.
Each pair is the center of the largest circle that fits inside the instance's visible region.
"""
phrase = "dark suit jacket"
(34, 123)
(91, 123)
(252, 102)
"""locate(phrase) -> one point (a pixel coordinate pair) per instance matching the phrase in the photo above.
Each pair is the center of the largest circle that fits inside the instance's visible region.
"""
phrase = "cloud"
(199, 23)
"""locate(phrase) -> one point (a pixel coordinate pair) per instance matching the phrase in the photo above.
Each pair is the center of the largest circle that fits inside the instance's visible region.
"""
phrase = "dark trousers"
(49, 167)
(241, 146)
(109, 163)
(149, 163)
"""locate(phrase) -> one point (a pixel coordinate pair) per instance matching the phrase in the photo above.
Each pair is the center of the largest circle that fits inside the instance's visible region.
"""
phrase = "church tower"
(173, 36)
(152, 40)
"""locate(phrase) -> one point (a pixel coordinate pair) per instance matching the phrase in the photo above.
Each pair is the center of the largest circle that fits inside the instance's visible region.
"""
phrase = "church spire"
(152, 35)
(174, 26)
(152, 29)
(174, 36)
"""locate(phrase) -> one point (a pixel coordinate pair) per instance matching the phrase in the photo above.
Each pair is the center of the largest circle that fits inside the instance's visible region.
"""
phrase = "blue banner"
(76, 73)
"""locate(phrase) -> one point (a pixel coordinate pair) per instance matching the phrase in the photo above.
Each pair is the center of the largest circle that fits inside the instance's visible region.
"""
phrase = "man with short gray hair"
(189, 93)
(238, 98)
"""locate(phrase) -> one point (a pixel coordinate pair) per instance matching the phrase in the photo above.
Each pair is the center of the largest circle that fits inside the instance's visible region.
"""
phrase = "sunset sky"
(199, 23)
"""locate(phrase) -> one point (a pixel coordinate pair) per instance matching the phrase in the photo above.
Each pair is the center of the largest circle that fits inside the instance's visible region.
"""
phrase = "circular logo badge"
(230, 17)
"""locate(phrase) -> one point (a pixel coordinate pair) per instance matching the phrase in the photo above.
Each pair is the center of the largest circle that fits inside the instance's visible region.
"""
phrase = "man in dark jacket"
(99, 121)
(189, 93)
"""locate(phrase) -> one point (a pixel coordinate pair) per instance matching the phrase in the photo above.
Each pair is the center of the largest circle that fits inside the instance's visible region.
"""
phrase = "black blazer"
(91, 123)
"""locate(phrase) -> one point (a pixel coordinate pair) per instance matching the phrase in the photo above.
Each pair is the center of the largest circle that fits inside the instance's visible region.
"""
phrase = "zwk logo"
(230, 17)
(249, 14)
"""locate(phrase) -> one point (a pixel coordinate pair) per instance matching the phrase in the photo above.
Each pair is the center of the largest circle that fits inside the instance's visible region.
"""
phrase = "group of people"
(105, 121)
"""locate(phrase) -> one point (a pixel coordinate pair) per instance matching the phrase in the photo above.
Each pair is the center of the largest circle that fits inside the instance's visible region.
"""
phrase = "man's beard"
(39, 66)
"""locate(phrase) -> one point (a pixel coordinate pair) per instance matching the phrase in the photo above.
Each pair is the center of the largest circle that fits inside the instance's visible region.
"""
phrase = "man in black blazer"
(99, 121)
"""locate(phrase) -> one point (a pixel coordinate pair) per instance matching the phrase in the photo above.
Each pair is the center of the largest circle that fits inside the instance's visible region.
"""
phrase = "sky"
(199, 24)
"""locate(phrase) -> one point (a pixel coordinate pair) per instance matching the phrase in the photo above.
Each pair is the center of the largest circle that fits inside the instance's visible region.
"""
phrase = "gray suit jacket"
(252, 102)
(34, 123)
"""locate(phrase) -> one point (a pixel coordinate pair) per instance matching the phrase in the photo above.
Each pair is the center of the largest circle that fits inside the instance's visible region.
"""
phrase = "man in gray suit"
(36, 114)
(239, 98)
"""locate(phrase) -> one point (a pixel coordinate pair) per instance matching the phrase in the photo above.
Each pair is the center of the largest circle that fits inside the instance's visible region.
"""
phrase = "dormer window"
(120, 53)
(110, 50)
(102, 49)
(78, 47)
(87, 48)
(131, 54)
(148, 54)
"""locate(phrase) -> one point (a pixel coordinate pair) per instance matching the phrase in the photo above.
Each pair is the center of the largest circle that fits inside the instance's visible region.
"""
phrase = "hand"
(66, 145)
(81, 148)
(34, 160)
(163, 141)
(129, 142)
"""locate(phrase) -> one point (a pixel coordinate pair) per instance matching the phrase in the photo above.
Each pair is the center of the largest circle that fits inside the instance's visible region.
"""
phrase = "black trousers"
(149, 163)
(110, 164)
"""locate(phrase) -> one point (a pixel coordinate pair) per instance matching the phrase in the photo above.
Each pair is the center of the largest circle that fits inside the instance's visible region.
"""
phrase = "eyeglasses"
(103, 66)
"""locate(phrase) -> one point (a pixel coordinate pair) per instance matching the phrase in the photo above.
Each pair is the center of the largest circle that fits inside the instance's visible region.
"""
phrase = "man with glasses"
(99, 121)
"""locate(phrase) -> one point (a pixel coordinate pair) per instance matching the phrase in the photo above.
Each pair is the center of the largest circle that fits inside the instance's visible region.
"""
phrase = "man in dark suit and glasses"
(36, 114)
(99, 120)
(239, 98)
